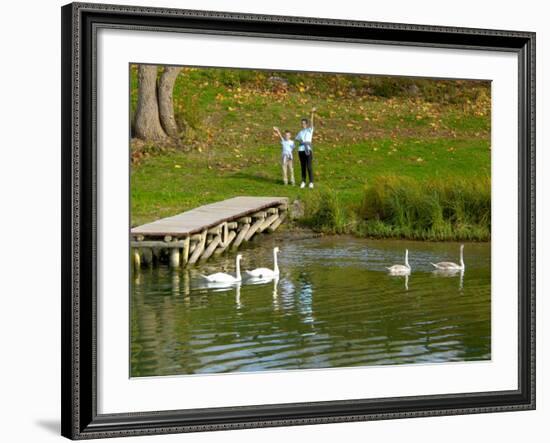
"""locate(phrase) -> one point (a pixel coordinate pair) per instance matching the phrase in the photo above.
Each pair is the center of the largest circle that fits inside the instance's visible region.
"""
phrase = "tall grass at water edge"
(402, 207)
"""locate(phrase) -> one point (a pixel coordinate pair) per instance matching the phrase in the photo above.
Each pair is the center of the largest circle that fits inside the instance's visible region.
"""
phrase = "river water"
(334, 305)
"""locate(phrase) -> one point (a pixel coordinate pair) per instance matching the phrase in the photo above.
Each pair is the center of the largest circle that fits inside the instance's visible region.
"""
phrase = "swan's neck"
(238, 273)
(462, 259)
(275, 265)
(407, 259)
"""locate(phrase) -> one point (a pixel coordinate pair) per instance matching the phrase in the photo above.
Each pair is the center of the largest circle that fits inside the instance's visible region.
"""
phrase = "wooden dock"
(211, 229)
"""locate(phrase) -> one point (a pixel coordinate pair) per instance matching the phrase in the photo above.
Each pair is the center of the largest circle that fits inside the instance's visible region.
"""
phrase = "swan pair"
(441, 266)
(257, 274)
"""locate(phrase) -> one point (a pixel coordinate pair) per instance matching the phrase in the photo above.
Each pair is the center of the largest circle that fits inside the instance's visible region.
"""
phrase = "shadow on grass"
(255, 177)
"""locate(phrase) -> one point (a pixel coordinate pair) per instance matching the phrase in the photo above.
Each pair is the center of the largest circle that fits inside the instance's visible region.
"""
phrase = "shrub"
(325, 213)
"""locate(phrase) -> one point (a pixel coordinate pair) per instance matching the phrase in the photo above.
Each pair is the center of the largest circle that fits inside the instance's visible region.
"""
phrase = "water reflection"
(334, 304)
(403, 275)
(305, 298)
(238, 296)
(451, 273)
(175, 282)
(267, 282)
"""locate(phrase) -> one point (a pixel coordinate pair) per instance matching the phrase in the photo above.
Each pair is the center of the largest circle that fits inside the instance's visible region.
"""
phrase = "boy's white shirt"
(305, 135)
(288, 146)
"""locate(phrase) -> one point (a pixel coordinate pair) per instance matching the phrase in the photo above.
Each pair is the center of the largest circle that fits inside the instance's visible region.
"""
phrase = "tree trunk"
(147, 122)
(166, 104)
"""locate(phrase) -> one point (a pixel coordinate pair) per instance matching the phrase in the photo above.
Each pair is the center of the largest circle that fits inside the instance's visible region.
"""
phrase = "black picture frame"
(79, 174)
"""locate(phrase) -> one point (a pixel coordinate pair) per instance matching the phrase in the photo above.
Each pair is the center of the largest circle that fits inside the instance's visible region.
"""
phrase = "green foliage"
(392, 206)
(366, 127)
(391, 86)
(434, 209)
(326, 213)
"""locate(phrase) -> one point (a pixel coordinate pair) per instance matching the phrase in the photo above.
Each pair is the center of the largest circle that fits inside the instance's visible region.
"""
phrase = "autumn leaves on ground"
(393, 157)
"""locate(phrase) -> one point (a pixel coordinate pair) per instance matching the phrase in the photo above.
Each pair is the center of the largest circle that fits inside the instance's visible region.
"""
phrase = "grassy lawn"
(229, 148)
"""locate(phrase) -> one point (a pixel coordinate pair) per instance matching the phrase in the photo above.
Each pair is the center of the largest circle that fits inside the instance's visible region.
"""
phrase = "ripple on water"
(333, 306)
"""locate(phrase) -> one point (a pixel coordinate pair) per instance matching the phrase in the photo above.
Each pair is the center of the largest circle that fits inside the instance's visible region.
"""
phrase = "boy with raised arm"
(305, 149)
(287, 145)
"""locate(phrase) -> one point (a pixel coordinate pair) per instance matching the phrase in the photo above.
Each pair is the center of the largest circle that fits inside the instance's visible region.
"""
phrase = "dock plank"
(207, 216)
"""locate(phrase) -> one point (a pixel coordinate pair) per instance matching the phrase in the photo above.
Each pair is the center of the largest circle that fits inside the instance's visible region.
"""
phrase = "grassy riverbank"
(409, 159)
(399, 207)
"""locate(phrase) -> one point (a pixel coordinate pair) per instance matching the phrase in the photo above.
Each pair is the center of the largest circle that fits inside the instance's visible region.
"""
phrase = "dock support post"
(241, 235)
(267, 222)
(225, 233)
(156, 255)
(199, 248)
(185, 251)
(211, 247)
(147, 256)
(277, 223)
(174, 258)
(136, 259)
(221, 249)
(254, 228)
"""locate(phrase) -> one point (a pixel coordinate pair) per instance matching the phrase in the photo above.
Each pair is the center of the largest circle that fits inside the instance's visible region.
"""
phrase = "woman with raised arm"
(305, 149)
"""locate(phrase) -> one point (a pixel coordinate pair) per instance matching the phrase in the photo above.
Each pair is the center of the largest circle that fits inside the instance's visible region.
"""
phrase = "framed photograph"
(273, 221)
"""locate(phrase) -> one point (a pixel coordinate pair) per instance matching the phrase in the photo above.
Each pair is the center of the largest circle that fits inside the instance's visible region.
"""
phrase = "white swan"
(449, 265)
(222, 277)
(266, 273)
(401, 269)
